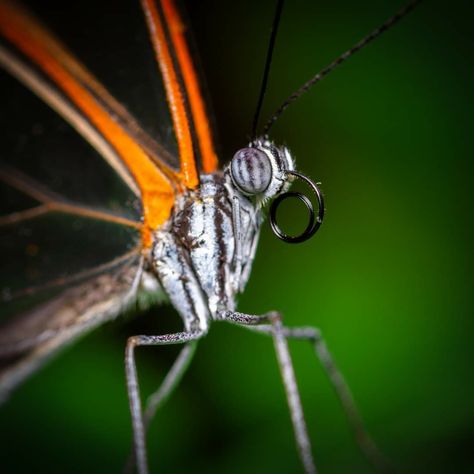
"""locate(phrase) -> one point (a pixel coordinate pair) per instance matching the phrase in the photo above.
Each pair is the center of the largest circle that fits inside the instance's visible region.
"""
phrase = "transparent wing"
(70, 236)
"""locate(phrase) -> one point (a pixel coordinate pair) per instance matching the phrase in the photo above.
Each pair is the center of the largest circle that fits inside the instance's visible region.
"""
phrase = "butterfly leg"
(341, 387)
(273, 322)
(364, 440)
(140, 423)
(158, 398)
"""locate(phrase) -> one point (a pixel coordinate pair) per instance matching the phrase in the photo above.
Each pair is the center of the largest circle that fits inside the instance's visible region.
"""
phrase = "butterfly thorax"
(196, 254)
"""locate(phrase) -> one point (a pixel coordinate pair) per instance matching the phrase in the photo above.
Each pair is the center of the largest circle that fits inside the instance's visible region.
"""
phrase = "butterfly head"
(265, 171)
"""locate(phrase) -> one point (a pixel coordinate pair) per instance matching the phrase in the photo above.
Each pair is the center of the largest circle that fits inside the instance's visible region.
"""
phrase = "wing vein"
(51, 202)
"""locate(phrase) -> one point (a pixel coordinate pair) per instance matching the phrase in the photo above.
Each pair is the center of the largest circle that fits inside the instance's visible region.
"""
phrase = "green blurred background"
(388, 278)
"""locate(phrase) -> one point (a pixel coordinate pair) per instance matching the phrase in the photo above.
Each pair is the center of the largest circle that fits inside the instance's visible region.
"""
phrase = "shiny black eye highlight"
(251, 170)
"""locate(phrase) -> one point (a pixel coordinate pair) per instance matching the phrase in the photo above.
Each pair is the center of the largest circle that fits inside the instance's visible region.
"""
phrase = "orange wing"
(107, 124)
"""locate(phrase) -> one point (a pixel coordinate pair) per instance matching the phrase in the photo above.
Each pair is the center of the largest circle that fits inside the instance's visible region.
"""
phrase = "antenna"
(324, 72)
(266, 71)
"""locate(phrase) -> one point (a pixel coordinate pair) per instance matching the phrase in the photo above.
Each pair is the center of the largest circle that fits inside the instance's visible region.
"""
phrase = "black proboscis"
(314, 221)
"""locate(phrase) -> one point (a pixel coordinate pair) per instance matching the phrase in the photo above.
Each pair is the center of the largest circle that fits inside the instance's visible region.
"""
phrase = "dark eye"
(251, 170)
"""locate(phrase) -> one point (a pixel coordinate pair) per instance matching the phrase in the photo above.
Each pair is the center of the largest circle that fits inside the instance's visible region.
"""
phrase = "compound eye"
(251, 170)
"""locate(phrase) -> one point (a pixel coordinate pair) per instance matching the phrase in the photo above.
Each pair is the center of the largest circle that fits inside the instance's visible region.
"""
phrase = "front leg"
(134, 391)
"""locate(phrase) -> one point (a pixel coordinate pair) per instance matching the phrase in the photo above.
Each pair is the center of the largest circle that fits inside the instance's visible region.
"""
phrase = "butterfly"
(106, 206)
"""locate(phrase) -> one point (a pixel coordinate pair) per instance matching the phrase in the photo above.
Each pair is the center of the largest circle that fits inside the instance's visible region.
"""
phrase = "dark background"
(388, 278)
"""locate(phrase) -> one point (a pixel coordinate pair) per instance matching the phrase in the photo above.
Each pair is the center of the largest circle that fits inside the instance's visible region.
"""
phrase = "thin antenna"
(324, 72)
(268, 62)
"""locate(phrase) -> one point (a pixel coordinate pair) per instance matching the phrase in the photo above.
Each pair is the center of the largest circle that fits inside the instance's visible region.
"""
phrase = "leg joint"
(274, 316)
